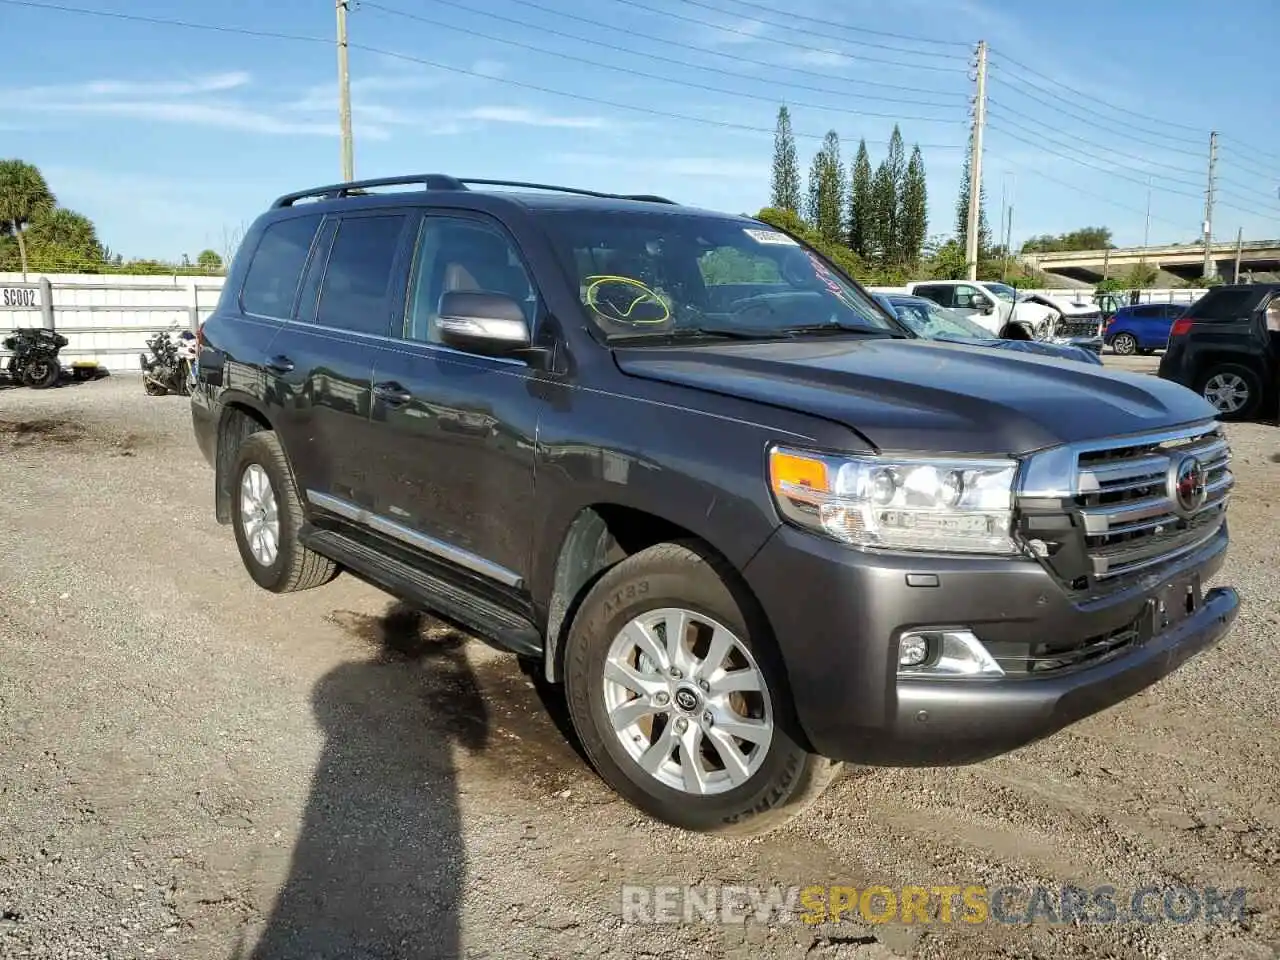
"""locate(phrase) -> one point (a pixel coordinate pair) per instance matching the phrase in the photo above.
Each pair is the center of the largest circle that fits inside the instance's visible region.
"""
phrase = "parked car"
(927, 319)
(690, 470)
(1002, 311)
(1141, 328)
(1226, 347)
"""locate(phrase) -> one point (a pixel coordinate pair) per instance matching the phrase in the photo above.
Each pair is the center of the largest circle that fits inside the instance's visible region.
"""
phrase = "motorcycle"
(171, 368)
(34, 361)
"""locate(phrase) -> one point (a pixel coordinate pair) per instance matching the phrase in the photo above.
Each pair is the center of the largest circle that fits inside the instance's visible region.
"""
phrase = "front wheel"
(41, 374)
(267, 517)
(678, 695)
(1234, 390)
(1125, 344)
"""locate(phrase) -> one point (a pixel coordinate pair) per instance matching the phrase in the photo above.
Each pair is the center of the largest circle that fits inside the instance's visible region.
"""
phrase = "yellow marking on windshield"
(616, 313)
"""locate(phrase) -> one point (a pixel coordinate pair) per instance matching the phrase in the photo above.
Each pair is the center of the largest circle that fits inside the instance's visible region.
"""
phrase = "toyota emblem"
(1187, 481)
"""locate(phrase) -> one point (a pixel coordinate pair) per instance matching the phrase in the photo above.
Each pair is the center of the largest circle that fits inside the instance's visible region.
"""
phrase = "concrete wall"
(106, 318)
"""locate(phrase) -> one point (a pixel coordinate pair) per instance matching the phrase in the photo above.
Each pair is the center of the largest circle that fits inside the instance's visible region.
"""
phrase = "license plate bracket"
(1172, 603)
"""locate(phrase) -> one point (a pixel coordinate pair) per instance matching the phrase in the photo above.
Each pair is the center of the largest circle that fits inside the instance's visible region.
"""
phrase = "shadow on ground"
(379, 867)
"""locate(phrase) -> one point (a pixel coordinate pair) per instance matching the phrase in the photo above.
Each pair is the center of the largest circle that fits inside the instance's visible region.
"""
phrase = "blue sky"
(173, 139)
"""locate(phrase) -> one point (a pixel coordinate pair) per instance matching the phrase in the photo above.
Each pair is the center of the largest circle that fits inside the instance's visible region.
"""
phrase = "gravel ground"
(193, 768)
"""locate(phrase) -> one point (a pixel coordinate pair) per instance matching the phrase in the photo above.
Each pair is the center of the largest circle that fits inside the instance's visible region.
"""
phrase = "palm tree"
(65, 233)
(23, 195)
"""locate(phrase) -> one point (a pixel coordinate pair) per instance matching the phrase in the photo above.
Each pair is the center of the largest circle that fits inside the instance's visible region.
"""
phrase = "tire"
(779, 777)
(291, 566)
(1232, 380)
(1125, 344)
(152, 388)
(41, 374)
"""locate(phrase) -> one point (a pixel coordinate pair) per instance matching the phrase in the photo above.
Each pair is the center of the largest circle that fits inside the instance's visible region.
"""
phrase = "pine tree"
(861, 226)
(785, 192)
(913, 211)
(826, 190)
(962, 207)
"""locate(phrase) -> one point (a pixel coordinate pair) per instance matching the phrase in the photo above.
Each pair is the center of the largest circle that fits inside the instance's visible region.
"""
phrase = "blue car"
(934, 322)
(1142, 327)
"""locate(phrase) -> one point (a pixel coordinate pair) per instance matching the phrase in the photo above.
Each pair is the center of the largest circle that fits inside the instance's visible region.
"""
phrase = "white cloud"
(534, 118)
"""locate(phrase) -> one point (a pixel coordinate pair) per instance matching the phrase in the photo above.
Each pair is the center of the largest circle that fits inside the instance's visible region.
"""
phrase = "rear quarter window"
(271, 282)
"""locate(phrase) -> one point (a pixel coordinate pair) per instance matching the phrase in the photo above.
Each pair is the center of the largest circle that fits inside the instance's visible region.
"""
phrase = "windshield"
(1003, 291)
(928, 319)
(658, 274)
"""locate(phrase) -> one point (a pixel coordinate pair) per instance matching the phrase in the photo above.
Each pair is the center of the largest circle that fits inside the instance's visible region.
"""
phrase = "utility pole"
(1209, 269)
(1004, 214)
(971, 251)
(344, 95)
(1235, 277)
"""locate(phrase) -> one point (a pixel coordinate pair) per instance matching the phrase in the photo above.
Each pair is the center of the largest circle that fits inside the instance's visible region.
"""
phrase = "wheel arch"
(240, 417)
(600, 536)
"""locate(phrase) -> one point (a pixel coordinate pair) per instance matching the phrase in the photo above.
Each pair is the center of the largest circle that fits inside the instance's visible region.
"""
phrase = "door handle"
(280, 364)
(392, 393)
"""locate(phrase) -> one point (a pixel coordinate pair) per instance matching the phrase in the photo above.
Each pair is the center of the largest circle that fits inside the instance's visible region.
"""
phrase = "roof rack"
(441, 181)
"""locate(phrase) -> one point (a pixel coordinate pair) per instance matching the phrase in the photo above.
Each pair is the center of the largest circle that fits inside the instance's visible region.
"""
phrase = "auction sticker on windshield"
(770, 236)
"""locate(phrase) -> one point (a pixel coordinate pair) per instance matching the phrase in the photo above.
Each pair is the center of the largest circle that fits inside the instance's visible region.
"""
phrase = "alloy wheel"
(259, 515)
(688, 701)
(1227, 391)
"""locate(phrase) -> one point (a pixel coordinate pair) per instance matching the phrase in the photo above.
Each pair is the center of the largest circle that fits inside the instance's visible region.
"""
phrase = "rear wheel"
(1235, 391)
(267, 517)
(679, 698)
(1125, 344)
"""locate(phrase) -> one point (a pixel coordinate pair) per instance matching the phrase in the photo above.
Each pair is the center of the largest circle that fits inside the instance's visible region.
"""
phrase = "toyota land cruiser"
(753, 525)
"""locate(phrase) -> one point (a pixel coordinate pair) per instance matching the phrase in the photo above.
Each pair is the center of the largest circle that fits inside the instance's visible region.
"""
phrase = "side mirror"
(488, 323)
(984, 304)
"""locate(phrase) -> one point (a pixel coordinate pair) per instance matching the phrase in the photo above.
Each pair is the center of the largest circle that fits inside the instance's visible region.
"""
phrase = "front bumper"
(837, 614)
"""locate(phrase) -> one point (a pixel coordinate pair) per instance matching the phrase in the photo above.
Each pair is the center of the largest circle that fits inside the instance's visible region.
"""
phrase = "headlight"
(948, 505)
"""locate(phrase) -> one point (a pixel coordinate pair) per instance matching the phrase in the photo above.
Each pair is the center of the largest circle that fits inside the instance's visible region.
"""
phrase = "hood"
(1043, 348)
(928, 396)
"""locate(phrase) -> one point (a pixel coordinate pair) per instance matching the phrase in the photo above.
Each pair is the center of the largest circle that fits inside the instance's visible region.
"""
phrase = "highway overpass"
(1182, 260)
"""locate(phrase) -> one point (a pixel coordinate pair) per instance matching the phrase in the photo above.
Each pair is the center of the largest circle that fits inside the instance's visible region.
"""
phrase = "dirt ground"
(193, 768)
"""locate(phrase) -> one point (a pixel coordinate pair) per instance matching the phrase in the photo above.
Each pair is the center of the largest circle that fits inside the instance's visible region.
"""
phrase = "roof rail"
(648, 197)
(441, 181)
(336, 191)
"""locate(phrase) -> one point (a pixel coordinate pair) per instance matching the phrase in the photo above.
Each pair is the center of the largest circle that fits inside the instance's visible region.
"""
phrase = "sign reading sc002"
(19, 297)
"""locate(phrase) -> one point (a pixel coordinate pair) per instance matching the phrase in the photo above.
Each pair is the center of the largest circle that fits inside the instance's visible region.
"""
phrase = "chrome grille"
(1126, 503)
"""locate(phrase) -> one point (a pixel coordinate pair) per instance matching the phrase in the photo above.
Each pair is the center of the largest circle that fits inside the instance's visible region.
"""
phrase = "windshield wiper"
(686, 333)
(833, 329)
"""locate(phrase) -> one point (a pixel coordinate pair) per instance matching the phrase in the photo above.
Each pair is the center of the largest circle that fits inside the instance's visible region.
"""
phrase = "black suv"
(701, 478)
(1226, 347)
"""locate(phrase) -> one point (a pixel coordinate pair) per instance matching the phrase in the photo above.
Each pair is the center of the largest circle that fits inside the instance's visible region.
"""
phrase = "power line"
(1080, 93)
(168, 22)
(367, 4)
(1107, 151)
(1274, 157)
(1101, 123)
(701, 51)
(723, 91)
(1110, 173)
(807, 47)
(848, 27)
(600, 101)
(780, 25)
(1255, 168)
(1084, 141)
(1036, 172)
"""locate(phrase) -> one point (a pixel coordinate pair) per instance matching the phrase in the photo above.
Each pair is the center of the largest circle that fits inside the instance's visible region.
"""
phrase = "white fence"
(106, 318)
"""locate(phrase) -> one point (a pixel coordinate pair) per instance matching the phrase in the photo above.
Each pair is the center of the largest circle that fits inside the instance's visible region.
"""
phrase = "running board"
(487, 620)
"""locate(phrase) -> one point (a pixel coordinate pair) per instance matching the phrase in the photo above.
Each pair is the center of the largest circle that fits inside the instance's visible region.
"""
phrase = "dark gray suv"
(701, 478)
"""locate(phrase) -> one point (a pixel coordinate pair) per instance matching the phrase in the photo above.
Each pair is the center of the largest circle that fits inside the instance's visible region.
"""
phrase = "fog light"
(948, 653)
(913, 650)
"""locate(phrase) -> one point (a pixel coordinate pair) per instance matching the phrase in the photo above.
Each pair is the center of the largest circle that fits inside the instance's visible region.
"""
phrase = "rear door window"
(1219, 306)
(271, 283)
(358, 288)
